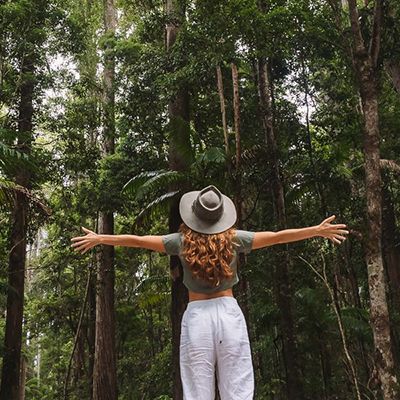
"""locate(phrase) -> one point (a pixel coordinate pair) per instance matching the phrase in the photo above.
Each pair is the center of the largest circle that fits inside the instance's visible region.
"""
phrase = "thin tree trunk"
(317, 181)
(105, 371)
(243, 290)
(365, 61)
(87, 68)
(91, 335)
(10, 376)
(294, 387)
(220, 84)
(178, 111)
(243, 287)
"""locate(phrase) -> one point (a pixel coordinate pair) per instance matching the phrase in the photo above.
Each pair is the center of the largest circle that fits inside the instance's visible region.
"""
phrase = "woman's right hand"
(84, 243)
(331, 231)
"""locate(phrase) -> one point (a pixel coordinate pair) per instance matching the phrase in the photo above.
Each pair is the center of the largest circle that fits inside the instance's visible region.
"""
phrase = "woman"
(214, 332)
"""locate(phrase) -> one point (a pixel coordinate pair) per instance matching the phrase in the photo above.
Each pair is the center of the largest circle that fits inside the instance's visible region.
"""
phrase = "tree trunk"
(178, 111)
(91, 331)
(104, 371)
(10, 376)
(87, 67)
(365, 62)
(220, 84)
(294, 387)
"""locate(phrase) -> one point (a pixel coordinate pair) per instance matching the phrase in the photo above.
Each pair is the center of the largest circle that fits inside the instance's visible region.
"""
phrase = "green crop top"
(172, 243)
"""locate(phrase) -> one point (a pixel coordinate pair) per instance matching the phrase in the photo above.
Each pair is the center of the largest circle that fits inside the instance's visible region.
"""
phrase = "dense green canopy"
(318, 126)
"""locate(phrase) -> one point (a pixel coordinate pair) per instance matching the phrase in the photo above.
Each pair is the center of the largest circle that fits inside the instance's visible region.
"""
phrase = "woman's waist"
(194, 296)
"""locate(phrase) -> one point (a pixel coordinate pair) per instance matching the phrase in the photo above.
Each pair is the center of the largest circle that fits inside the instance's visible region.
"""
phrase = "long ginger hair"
(208, 256)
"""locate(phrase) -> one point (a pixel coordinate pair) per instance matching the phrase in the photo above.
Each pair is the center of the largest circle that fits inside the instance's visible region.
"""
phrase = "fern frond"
(157, 207)
(132, 186)
(162, 180)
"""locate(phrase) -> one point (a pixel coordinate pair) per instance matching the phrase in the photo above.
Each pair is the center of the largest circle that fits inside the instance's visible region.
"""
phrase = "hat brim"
(227, 220)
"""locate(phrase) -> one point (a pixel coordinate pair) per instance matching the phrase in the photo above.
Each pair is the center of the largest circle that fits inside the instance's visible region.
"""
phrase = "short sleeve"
(172, 243)
(244, 239)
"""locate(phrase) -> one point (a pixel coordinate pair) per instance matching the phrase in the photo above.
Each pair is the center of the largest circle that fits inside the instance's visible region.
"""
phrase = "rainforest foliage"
(55, 160)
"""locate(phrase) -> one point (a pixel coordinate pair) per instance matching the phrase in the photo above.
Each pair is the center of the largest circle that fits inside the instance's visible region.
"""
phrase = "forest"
(111, 110)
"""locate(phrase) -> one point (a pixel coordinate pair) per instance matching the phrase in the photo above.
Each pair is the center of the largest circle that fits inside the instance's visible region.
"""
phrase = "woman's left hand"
(84, 243)
(334, 232)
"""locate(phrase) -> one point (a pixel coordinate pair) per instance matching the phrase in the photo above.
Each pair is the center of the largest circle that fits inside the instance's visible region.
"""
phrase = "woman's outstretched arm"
(325, 229)
(91, 239)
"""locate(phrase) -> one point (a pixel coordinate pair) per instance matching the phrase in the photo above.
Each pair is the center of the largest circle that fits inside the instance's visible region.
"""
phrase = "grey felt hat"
(207, 210)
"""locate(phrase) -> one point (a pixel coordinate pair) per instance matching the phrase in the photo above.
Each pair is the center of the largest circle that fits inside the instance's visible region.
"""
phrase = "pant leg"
(234, 360)
(197, 353)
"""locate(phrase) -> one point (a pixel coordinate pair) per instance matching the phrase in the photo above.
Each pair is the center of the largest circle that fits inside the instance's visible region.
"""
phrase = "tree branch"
(359, 47)
(374, 45)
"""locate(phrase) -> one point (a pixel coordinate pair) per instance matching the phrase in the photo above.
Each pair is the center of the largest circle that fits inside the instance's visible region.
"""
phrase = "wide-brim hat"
(207, 210)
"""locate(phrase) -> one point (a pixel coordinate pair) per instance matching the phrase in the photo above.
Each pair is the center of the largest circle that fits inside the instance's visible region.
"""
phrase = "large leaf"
(157, 207)
(163, 180)
(132, 186)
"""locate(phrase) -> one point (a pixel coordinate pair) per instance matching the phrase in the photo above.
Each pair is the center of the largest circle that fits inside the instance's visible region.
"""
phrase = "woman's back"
(209, 262)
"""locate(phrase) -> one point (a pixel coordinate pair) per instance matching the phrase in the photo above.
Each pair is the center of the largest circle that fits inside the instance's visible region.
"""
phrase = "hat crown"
(210, 200)
(209, 204)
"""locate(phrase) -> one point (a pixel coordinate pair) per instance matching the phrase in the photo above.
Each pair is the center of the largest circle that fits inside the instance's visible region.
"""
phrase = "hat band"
(203, 213)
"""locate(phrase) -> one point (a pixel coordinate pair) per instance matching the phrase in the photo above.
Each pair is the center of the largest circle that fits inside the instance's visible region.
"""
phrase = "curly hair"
(208, 256)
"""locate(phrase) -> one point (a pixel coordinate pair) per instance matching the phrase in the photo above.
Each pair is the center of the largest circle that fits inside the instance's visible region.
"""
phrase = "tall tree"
(104, 370)
(294, 387)
(365, 58)
(179, 138)
(32, 18)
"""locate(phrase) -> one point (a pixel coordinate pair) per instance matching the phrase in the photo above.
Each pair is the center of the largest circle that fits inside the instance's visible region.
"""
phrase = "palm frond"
(132, 186)
(157, 207)
(162, 180)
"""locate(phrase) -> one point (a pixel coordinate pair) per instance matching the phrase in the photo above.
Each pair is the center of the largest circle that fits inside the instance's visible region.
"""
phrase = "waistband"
(221, 299)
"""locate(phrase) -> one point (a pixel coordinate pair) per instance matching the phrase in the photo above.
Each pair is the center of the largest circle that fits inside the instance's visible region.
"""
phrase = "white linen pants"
(214, 334)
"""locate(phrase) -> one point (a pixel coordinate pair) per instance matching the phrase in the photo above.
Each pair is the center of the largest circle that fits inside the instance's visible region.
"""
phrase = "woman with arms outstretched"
(213, 332)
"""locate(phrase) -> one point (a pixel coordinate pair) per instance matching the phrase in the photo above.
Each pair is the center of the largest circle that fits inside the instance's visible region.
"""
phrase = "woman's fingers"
(88, 230)
(329, 219)
(342, 231)
(78, 238)
(336, 238)
(83, 246)
(334, 231)
(84, 243)
(79, 243)
(88, 248)
(337, 226)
